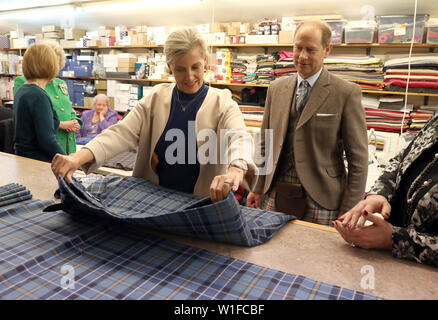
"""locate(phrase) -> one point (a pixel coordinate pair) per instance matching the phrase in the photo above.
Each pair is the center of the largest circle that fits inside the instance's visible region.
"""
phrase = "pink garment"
(286, 55)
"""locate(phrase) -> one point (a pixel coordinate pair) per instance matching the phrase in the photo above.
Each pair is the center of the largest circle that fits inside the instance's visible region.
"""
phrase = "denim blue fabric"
(144, 203)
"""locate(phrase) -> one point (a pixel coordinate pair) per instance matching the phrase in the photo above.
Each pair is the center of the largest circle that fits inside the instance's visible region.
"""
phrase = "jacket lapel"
(317, 96)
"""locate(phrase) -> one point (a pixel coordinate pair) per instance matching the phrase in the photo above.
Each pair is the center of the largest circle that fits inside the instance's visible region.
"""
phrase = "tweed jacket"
(333, 121)
(143, 126)
(418, 240)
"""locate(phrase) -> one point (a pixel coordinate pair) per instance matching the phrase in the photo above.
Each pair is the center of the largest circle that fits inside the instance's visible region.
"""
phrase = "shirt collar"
(311, 80)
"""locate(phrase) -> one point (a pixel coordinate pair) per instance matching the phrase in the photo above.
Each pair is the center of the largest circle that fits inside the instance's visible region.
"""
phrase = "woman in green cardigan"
(70, 123)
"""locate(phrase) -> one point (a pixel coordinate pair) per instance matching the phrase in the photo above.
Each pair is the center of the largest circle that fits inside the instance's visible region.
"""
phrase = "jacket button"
(62, 109)
(70, 138)
(57, 97)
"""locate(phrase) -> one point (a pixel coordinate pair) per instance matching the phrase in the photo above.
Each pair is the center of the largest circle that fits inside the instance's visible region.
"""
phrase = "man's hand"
(253, 200)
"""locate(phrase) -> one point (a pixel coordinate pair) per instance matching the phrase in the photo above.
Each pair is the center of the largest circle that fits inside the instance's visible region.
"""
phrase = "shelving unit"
(367, 46)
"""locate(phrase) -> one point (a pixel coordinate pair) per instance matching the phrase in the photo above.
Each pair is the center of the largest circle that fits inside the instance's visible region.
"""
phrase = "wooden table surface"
(307, 249)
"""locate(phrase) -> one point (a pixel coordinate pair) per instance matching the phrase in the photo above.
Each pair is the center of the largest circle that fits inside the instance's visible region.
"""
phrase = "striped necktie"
(302, 95)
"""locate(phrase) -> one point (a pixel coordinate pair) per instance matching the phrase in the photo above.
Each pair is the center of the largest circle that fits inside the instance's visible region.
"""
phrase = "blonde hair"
(326, 31)
(40, 62)
(100, 96)
(183, 41)
(59, 52)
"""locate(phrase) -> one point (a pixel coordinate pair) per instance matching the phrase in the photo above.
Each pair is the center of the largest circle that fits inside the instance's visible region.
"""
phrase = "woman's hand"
(65, 166)
(70, 126)
(377, 235)
(221, 185)
(253, 200)
(372, 204)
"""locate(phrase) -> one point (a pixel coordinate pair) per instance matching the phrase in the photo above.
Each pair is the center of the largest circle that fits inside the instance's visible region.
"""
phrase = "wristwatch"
(239, 163)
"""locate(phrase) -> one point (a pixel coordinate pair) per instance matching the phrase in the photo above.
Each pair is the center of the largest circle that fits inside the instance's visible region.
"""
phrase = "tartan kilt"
(313, 213)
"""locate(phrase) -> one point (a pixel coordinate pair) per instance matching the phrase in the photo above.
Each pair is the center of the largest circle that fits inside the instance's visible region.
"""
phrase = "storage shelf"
(342, 45)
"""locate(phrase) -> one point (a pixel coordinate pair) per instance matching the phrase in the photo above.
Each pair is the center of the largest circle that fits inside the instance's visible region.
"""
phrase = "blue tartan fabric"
(144, 203)
(118, 261)
(12, 193)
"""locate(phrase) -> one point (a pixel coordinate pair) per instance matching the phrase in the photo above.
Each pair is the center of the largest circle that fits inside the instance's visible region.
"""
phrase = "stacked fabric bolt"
(366, 71)
(391, 102)
(265, 69)
(238, 70)
(423, 75)
(250, 63)
(12, 193)
(285, 65)
(387, 120)
(252, 115)
(420, 116)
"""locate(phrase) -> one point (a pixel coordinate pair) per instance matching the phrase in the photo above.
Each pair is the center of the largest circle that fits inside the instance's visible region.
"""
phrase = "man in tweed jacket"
(410, 231)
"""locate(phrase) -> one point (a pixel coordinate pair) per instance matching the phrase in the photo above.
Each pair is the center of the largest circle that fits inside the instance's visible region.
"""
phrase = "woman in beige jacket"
(212, 152)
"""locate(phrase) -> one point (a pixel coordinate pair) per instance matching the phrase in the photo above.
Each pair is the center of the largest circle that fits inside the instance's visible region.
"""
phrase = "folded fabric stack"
(420, 117)
(387, 120)
(285, 65)
(423, 75)
(253, 116)
(12, 193)
(238, 70)
(366, 71)
(265, 69)
(250, 63)
(391, 102)
(370, 101)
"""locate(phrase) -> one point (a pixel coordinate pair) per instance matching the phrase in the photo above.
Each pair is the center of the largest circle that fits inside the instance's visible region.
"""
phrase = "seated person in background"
(96, 120)
(58, 93)
(406, 196)
(35, 120)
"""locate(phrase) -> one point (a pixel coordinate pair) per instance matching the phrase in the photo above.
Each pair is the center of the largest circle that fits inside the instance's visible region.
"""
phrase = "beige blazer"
(333, 121)
(144, 125)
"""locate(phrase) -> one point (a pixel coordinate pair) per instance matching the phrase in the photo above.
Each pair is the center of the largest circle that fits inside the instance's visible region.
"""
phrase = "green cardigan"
(63, 107)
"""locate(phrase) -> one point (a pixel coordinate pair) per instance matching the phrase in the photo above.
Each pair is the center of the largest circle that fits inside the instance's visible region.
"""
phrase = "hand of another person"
(66, 125)
(377, 235)
(64, 166)
(253, 200)
(372, 204)
(76, 126)
(221, 185)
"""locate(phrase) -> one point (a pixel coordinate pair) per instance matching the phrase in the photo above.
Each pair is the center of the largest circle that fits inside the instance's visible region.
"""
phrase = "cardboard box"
(94, 43)
(233, 31)
(285, 36)
(99, 91)
(126, 60)
(100, 84)
(217, 27)
(50, 28)
(125, 69)
(126, 64)
(73, 34)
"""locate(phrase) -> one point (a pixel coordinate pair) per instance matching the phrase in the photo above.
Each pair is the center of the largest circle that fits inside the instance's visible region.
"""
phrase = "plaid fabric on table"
(142, 202)
(12, 193)
(117, 261)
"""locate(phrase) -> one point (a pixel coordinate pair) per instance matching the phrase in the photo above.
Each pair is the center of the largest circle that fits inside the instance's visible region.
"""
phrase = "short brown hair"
(326, 31)
(40, 62)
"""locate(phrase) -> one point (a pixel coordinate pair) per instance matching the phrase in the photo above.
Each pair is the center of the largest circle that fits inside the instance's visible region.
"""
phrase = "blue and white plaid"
(118, 261)
(144, 203)
(12, 193)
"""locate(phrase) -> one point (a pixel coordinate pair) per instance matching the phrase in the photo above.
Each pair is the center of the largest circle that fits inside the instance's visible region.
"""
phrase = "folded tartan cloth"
(144, 203)
(12, 193)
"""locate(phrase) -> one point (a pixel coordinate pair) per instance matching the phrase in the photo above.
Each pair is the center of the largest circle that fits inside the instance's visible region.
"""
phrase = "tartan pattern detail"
(117, 261)
(313, 212)
(144, 203)
(12, 193)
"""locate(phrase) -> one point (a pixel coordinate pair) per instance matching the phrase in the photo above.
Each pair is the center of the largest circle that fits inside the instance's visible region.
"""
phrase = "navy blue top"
(181, 171)
(35, 124)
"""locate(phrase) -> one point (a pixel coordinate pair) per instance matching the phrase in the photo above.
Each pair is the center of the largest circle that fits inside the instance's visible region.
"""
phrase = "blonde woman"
(170, 111)
(58, 93)
(35, 119)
